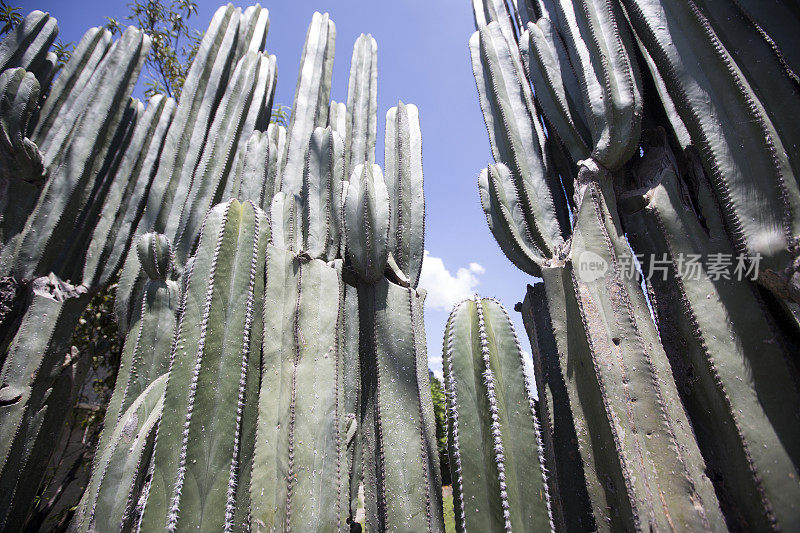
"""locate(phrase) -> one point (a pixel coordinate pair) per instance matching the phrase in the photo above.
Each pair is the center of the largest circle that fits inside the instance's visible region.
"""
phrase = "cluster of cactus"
(274, 357)
(676, 407)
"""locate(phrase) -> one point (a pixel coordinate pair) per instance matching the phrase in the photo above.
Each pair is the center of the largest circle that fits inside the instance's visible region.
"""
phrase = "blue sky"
(423, 59)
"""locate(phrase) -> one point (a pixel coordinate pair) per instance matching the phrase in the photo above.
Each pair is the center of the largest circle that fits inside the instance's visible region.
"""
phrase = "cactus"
(398, 451)
(205, 440)
(300, 472)
(754, 181)
(30, 370)
(310, 107)
(612, 387)
(492, 430)
(28, 46)
(737, 382)
(145, 360)
(224, 98)
(113, 494)
(94, 168)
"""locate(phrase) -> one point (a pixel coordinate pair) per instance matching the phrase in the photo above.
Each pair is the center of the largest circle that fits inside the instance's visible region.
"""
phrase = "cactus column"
(493, 438)
(205, 441)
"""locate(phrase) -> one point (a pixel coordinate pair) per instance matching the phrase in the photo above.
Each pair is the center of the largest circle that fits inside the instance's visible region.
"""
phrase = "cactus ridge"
(497, 437)
(172, 514)
(453, 442)
(230, 505)
(362, 104)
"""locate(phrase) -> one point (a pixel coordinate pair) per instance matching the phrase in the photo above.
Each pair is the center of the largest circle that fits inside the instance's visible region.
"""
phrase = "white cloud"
(444, 289)
(476, 268)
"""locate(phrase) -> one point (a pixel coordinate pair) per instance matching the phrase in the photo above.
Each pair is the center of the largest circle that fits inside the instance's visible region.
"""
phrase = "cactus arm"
(316, 197)
(200, 97)
(204, 493)
(207, 184)
(404, 180)
(485, 12)
(277, 134)
(636, 382)
(28, 44)
(362, 104)
(61, 397)
(337, 118)
(253, 30)
(170, 429)
(395, 449)
(268, 489)
(82, 63)
(549, 75)
(31, 366)
(145, 355)
(760, 199)
(300, 435)
(515, 135)
(21, 157)
(366, 212)
(568, 457)
(504, 215)
(253, 173)
(22, 169)
(310, 108)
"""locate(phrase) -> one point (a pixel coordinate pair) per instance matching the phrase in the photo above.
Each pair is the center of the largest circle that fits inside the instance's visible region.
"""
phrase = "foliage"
(63, 51)
(174, 44)
(9, 17)
(440, 412)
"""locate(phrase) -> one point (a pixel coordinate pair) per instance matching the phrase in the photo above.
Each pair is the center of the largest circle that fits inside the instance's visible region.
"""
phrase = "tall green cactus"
(224, 99)
(179, 446)
(493, 435)
(737, 381)
(749, 168)
(399, 455)
(300, 471)
(205, 438)
(633, 482)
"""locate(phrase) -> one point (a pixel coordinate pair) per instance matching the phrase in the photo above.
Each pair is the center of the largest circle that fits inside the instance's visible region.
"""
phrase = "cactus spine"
(492, 431)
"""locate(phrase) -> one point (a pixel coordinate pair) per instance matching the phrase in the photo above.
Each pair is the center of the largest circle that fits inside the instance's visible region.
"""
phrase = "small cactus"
(499, 479)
